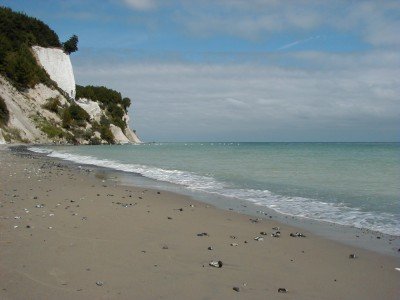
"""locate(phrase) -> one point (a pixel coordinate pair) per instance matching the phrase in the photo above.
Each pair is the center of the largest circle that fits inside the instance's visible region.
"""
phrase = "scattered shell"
(282, 290)
(236, 289)
(258, 238)
(99, 283)
(353, 255)
(234, 244)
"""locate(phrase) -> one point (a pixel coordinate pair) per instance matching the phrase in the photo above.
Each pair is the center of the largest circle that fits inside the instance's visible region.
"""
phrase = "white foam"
(295, 206)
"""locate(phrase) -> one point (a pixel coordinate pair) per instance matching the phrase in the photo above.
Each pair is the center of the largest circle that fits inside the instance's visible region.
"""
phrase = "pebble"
(282, 290)
(216, 264)
(236, 289)
(353, 255)
(276, 234)
(99, 283)
(297, 234)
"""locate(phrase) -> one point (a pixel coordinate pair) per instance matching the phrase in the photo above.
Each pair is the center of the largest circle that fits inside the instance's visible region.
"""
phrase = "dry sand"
(144, 244)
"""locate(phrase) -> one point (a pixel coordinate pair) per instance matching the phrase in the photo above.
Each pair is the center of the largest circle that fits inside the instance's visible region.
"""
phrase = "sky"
(240, 70)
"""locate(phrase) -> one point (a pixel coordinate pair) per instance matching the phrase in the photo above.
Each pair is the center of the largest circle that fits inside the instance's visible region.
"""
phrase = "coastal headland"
(70, 232)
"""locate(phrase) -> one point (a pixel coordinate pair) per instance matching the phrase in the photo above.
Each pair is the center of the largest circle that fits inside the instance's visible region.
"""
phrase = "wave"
(294, 206)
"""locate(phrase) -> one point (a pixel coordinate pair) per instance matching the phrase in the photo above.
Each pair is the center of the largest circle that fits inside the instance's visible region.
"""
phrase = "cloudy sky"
(240, 70)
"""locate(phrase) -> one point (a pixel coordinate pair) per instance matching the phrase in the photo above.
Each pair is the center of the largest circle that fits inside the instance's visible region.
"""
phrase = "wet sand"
(72, 233)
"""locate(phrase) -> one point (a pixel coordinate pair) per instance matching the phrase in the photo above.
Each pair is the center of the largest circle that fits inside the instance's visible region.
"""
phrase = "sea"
(350, 184)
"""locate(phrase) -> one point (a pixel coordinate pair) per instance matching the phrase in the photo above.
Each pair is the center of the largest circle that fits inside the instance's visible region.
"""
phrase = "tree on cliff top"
(71, 45)
(18, 28)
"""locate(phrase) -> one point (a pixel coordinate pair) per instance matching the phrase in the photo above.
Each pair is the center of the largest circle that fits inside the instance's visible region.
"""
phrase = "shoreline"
(349, 235)
(137, 242)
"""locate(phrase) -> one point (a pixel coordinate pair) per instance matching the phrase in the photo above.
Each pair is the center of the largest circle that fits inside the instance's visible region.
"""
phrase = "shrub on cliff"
(106, 134)
(4, 113)
(74, 116)
(53, 104)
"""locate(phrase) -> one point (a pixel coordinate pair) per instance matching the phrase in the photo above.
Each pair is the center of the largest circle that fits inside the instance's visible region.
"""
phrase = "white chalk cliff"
(58, 65)
(29, 118)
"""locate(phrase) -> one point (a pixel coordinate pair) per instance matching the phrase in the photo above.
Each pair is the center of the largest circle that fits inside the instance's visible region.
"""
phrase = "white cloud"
(141, 4)
(337, 97)
(375, 21)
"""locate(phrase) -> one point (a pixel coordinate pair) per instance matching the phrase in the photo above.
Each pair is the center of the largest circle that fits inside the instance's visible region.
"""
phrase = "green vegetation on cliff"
(19, 29)
(18, 33)
(109, 99)
(74, 115)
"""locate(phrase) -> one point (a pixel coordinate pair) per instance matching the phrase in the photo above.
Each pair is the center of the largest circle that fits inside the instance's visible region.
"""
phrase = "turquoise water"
(355, 184)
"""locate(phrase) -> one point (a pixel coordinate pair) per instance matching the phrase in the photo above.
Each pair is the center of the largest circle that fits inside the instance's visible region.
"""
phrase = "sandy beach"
(74, 233)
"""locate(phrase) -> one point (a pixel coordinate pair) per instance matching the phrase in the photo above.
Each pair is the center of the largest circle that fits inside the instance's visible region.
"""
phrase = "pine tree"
(71, 45)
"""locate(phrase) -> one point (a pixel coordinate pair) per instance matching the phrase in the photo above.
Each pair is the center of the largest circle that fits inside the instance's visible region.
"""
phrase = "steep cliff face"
(58, 65)
(26, 112)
